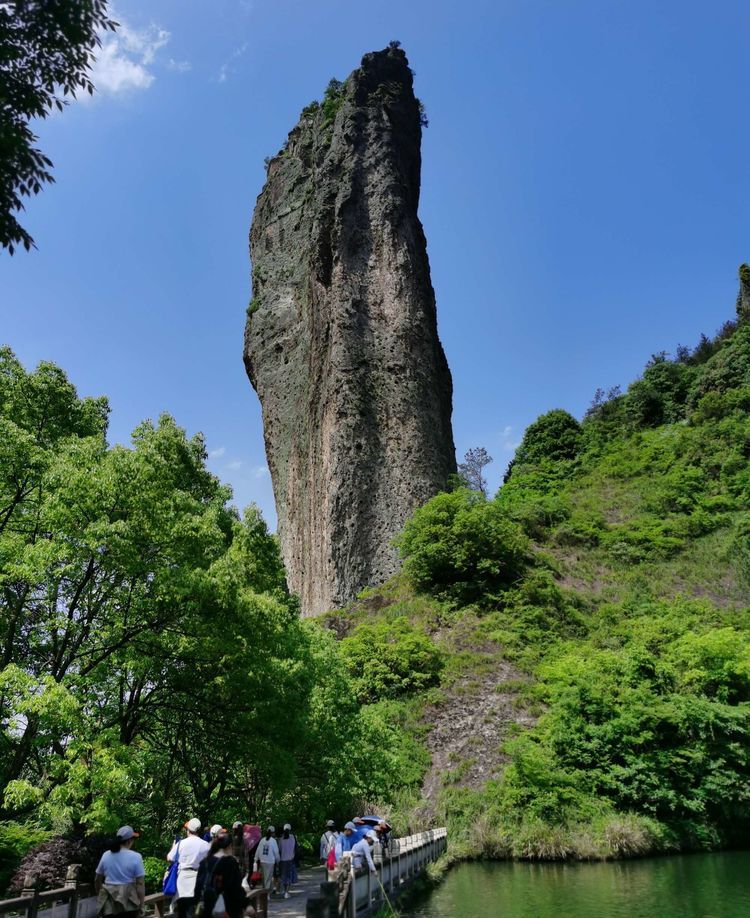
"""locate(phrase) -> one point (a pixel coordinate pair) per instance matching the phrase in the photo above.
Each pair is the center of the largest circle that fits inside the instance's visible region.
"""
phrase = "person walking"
(287, 853)
(328, 840)
(192, 850)
(120, 882)
(362, 852)
(239, 848)
(219, 881)
(267, 856)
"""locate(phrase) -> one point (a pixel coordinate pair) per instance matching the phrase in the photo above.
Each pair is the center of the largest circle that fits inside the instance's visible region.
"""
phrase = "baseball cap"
(287, 825)
(330, 824)
(125, 833)
(217, 830)
(236, 825)
(193, 825)
(372, 834)
(272, 828)
(350, 825)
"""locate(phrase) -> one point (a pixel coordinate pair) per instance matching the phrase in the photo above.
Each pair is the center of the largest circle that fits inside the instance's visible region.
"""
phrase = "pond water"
(689, 886)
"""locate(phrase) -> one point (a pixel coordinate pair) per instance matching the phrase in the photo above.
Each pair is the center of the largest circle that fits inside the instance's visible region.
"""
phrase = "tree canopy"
(154, 662)
(46, 52)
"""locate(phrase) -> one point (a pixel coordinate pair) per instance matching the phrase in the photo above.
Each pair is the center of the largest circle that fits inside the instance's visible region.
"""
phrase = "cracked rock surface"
(341, 340)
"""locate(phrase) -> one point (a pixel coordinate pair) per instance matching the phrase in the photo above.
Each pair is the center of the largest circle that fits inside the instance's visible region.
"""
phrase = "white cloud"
(179, 66)
(217, 453)
(123, 61)
(260, 471)
(507, 441)
(234, 465)
(227, 67)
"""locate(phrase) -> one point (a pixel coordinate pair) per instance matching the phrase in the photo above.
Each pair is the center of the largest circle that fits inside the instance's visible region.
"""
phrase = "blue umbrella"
(373, 820)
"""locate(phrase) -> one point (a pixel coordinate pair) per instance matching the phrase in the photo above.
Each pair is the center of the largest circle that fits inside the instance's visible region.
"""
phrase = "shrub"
(715, 405)
(740, 548)
(555, 435)
(461, 547)
(582, 528)
(333, 99)
(390, 659)
(312, 109)
(155, 868)
(16, 839)
(660, 396)
(532, 498)
(534, 616)
(49, 860)
(652, 722)
(728, 368)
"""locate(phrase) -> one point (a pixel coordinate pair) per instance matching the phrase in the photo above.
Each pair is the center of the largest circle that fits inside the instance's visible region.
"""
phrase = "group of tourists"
(210, 875)
(358, 837)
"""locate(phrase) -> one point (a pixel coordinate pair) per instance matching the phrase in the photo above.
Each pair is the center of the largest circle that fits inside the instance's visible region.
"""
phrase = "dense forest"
(154, 664)
(593, 614)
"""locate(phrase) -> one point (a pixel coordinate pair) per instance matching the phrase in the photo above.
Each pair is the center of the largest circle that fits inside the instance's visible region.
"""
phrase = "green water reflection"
(692, 886)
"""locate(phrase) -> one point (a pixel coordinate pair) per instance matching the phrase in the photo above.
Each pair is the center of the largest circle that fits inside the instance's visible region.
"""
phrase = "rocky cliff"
(341, 341)
(743, 297)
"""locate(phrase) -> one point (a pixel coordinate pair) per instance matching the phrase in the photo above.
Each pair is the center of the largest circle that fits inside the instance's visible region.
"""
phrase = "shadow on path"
(307, 885)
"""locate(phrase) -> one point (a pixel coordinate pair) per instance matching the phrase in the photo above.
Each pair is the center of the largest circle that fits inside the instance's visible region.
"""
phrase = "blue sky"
(585, 199)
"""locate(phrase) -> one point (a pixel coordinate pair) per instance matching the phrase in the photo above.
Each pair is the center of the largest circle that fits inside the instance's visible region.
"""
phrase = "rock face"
(743, 297)
(341, 341)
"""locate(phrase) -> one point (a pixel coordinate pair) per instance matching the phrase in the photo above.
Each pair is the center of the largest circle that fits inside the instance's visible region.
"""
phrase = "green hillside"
(574, 654)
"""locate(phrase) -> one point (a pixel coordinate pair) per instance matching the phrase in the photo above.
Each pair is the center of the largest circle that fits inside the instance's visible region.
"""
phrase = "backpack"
(213, 892)
(331, 859)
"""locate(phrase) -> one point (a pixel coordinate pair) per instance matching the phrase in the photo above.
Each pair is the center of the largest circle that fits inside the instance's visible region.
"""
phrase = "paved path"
(307, 885)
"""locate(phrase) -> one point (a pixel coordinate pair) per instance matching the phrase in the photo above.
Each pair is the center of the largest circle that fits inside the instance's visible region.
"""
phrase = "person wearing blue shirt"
(345, 841)
(360, 830)
(120, 877)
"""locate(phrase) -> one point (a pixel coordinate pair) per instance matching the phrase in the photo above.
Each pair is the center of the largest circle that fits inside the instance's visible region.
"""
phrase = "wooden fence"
(77, 900)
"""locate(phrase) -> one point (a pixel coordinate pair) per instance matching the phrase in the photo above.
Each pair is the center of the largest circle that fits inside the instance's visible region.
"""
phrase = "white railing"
(397, 868)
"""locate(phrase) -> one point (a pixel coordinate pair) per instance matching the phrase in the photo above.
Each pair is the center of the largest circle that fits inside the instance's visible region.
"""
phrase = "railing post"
(317, 907)
(330, 894)
(31, 889)
(352, 891)
(71, 882)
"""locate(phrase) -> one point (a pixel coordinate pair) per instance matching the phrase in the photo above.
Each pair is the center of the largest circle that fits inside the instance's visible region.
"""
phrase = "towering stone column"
(743, 297)
(341, 341)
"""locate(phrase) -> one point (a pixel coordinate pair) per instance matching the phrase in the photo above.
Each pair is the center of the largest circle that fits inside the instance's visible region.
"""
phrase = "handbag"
(169, 883)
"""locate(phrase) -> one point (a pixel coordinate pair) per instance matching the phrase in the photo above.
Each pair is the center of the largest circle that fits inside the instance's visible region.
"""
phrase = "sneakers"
(286, 894)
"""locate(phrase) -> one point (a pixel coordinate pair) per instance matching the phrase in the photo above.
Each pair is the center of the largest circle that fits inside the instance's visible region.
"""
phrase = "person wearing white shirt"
(189, 853)
(267, 856)
(328, 840)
